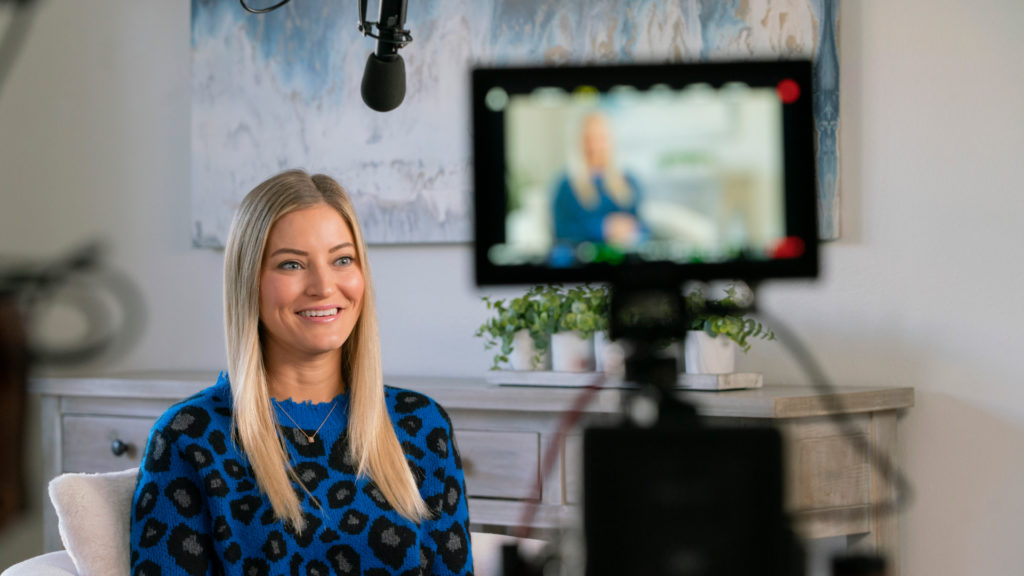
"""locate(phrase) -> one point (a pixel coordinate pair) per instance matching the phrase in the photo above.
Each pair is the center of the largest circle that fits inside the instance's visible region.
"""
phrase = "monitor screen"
(582, 173)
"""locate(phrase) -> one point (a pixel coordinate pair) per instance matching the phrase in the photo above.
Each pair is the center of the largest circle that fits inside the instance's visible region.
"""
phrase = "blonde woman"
(595, 201)
(299, 460)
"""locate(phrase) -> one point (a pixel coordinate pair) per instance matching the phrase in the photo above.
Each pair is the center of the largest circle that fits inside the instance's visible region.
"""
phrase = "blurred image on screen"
(688, 175)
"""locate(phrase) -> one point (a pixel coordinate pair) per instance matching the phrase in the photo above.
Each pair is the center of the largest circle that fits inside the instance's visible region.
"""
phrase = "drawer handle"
(119, 448)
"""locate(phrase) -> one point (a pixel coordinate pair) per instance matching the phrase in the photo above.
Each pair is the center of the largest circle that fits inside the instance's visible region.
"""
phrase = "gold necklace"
(309, 438)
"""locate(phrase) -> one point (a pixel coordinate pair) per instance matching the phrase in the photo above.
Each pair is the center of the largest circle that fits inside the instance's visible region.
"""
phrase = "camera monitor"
(593, 173)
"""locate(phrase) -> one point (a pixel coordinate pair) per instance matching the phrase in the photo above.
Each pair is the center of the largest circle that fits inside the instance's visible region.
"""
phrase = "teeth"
(316, 313)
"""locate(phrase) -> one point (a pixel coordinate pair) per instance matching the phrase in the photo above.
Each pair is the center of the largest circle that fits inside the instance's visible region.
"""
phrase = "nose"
(320, 282)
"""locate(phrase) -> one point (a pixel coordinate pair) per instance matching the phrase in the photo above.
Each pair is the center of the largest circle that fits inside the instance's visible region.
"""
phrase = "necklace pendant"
(309, 438)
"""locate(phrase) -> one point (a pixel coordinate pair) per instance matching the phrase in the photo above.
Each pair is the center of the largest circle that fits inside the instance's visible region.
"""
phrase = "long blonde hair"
(581, 179)
(372, 440)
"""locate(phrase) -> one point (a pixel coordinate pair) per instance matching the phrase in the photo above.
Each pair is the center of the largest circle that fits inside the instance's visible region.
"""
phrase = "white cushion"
(53, 564)
(94, 519)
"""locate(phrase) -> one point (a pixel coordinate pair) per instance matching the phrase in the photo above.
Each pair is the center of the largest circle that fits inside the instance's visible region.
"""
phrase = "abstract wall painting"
(281, 90)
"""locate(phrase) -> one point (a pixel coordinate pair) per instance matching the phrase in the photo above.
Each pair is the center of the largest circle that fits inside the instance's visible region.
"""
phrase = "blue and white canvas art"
(281, 90)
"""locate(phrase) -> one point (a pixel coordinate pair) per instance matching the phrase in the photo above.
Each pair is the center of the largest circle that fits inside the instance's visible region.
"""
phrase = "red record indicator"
(789, 91)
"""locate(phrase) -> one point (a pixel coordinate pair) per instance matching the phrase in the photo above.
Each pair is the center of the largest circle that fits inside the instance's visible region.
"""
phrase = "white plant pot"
(609, 356)
(570, 353)
(524, 353)
(703, 354)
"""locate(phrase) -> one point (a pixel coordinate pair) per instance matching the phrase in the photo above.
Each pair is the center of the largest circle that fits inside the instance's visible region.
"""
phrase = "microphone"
(383, 86)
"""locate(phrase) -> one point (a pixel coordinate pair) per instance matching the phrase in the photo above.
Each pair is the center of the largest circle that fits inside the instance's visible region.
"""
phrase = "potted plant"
(609, 356)
(583, 312)
(717, 327)
(520, 329)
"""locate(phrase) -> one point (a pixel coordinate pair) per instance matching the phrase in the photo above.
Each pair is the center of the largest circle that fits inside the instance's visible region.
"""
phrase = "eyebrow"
(301, 253)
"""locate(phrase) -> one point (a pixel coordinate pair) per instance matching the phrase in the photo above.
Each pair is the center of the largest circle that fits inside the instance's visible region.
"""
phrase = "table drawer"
(88, 442)
(826, 469)
(501, 464)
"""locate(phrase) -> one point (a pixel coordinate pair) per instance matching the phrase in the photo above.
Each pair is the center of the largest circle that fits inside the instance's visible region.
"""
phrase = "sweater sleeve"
(170, 526)
(447, 532)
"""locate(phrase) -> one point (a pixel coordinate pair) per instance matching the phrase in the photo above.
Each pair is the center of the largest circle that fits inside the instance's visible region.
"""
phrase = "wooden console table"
(101, 424)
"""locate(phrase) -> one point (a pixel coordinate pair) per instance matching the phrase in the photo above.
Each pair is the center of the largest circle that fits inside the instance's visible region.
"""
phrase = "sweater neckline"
(310, 414)
(305, 413)
(290, 402)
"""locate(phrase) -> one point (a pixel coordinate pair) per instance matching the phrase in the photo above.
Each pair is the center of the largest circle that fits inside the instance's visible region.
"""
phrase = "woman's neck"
(315, 380)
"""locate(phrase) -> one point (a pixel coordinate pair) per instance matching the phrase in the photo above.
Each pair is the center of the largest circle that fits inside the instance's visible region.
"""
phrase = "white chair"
(93, 512)
(52, 564)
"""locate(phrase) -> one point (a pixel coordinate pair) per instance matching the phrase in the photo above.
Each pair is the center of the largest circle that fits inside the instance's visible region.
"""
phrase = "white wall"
(94, 141)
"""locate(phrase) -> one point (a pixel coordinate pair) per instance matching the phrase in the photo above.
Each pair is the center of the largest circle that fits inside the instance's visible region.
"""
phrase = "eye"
(345, 261)
(289, 265)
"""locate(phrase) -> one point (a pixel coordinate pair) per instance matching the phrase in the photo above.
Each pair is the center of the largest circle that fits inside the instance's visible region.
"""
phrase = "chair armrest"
(53, 564)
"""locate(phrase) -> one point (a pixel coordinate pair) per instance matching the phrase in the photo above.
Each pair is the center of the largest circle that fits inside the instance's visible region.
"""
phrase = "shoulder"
(423, 428)
(195, 428)
(402, 402)
(199, 414)
(418, 418)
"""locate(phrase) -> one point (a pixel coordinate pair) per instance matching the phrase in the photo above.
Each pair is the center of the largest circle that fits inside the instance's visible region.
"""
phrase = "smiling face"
(597, 142)
(311, 286)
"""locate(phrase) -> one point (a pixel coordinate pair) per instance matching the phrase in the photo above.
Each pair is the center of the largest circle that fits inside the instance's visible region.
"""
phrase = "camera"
(647, 176)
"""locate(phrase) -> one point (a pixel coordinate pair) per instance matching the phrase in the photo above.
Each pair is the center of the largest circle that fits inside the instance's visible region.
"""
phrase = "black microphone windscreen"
(383, 86)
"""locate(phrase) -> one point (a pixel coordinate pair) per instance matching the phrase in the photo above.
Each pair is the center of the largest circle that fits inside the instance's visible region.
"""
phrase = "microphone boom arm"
(391, 35)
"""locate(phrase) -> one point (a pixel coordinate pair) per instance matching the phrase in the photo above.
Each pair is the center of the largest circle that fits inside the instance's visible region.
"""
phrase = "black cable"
(14, 36)
(833, 404)
(263, 10)
(836, 412)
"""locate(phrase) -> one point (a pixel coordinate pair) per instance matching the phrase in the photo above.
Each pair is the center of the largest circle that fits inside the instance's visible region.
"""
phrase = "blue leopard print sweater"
(197, 509)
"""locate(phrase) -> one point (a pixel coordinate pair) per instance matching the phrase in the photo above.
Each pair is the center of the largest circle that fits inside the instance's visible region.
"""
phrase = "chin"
(319, 347)
(327, 347)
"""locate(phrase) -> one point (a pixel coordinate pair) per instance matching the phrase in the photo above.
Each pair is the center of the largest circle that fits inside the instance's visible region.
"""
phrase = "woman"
(595, 201)
(302, 461)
